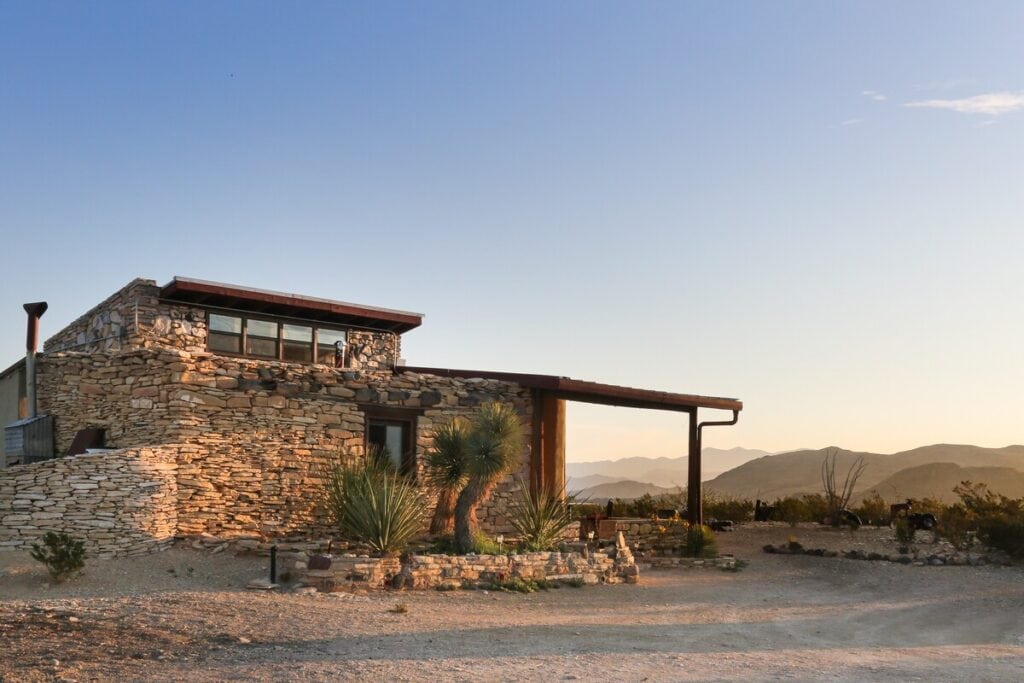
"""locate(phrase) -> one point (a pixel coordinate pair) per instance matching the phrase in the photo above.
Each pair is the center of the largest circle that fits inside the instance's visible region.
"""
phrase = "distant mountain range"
(626, 490)
(929, 471)
(776, 476)
(666, 472)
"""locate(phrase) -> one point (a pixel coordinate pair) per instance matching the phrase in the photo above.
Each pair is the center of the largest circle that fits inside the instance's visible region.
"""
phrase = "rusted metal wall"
(12, 401)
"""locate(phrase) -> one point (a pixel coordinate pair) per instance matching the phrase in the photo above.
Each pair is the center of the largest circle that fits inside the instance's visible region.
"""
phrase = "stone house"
(223, 401)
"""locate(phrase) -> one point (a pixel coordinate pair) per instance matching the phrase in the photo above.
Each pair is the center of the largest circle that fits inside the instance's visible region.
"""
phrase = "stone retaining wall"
(458, 571)
(122, 503)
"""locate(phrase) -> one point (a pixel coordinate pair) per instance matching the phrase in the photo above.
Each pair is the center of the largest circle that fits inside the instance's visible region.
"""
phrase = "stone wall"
(136, 317)
(122, 503)
(263, 428)
(615, 565)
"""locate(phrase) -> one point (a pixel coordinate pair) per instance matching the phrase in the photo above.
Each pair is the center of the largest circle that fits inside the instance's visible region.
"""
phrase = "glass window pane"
(261, 328)
(393, 444)
(297, 333)
(328, 356)
(265, 348)
(297, 352)
(225, 323)
(329, 337)
(227, 343)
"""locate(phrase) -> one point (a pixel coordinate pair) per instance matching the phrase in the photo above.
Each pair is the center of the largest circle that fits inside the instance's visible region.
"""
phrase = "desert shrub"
(722, 508)
(63, 555)
(700, 542)
(373, 505)
(955, 523)
(582, 510)
(927, 505)
(541, 517)
(810, 507)
(904, 531)
(644, 506)
(482, 545)
(873, 510)
(1000, 520)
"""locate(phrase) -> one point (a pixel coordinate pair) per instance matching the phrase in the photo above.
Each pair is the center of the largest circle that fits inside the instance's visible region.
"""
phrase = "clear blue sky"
(721, 198)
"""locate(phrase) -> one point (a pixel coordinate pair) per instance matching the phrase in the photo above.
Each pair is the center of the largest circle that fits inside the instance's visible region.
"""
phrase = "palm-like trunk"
(443, 521)
(465, 512)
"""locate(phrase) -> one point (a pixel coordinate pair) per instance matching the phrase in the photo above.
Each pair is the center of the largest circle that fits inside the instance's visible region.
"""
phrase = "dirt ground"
(780, 617)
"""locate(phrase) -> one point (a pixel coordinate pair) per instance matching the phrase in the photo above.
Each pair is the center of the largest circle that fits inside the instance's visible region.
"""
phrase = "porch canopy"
(550, 392)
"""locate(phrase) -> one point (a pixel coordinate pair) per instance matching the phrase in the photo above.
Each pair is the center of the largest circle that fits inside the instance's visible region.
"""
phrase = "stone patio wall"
(122, 503)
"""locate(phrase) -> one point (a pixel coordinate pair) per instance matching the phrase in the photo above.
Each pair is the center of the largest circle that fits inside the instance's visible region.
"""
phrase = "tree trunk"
(443, 521)
(465, 512)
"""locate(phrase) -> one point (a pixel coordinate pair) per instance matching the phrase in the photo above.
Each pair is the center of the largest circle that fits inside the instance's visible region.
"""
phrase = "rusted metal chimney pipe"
(35, 312)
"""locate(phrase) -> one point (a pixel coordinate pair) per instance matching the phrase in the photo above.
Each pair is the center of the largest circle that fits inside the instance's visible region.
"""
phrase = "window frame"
(243, 338)
(407, 418)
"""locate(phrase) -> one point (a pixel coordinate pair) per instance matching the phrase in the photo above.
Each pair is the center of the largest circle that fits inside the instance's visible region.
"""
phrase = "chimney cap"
(37, 308)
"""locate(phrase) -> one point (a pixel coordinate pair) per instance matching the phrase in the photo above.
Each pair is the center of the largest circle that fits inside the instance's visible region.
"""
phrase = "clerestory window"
(276, 339)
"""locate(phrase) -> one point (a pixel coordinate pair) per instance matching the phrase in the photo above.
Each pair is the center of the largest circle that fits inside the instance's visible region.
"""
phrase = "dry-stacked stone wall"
(347, 572)
(263, 429)
(122, 503)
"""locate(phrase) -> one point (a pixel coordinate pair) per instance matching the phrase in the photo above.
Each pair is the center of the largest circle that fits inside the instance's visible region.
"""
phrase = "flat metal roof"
(592, 392)
(222, 295)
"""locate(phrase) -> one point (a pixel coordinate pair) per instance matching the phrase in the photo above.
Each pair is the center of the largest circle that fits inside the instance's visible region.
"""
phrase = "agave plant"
(445, 471)
(540, 516)
(493, 445)
(373, 505)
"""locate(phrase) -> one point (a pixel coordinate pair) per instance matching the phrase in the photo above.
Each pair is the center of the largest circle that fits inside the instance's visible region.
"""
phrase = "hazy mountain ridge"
(662, 471)
(938, 479)
(622, 489)
(799, 472)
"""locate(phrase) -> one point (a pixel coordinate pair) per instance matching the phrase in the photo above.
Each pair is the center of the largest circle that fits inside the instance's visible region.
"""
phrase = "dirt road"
(781, 617)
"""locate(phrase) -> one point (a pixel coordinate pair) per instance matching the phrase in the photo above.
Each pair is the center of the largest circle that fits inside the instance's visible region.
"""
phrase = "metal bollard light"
(273, 564)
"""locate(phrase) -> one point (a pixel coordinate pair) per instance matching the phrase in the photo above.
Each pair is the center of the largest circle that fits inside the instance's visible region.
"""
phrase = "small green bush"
(1000, 520)
(873, 510)
(955, 525)
(482, 545)
(810, 507)
(700, 542)
(63, 555)
(726, 508)
(904, 531)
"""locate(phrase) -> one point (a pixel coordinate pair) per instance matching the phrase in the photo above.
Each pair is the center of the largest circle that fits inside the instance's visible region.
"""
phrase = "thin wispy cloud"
(851, 122)
(991, 104)
(874, 94)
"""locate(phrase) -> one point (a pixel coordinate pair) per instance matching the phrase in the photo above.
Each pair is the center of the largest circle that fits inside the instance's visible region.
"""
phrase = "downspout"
(34, 311)
(694, 503)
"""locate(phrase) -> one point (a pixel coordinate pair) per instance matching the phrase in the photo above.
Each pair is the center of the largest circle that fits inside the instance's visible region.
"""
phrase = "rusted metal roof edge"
(404, 320)
(590, 392)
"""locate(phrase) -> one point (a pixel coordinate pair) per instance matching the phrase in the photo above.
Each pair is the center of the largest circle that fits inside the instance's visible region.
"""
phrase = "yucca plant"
(540, 516)
(373, 505)
(493, 445)
(445, 472)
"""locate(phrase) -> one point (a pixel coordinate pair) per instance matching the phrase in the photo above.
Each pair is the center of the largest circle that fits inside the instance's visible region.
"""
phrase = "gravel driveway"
(781, 617)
